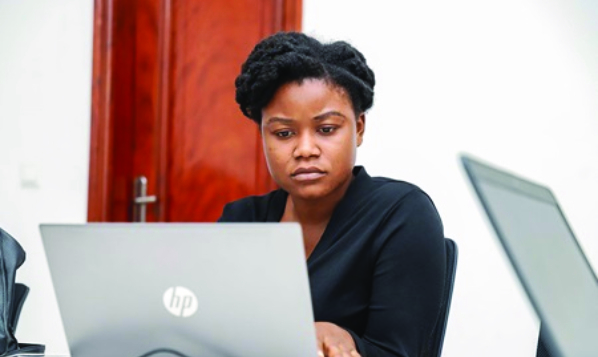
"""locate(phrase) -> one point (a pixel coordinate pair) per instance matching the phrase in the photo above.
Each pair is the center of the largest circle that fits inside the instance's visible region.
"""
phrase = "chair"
(435, 348)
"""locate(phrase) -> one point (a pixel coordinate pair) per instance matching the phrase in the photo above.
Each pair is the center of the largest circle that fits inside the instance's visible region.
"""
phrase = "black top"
(378, 269)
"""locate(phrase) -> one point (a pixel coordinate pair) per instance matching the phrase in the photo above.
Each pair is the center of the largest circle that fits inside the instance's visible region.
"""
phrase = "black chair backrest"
(451, 268)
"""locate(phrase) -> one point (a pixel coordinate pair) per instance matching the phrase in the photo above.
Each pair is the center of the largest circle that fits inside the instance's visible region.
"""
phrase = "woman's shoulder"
(402, 195)
(391, 191)
(396, 187)
(384, 197)
(406, 208)
(253, 208)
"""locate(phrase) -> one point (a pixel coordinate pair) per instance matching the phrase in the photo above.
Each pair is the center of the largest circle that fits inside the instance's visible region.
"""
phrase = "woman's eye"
(327, 130)
(283, 133)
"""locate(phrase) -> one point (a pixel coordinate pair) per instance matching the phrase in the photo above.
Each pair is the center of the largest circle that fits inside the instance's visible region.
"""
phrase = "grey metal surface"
(546, 256)
(250, 281)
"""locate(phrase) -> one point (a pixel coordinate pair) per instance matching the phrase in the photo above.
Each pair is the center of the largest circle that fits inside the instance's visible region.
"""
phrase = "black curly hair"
(292, 57)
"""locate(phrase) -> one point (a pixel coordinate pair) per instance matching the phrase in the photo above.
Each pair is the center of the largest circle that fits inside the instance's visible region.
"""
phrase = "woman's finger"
(334, 351)
(323, 347)
(338, 351)
(343, 351)
(354, 353)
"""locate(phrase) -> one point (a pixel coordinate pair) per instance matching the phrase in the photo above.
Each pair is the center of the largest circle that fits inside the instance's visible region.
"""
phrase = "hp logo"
(180, 301)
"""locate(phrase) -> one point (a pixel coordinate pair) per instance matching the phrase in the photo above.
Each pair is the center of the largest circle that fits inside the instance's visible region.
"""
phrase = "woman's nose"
(307, 146)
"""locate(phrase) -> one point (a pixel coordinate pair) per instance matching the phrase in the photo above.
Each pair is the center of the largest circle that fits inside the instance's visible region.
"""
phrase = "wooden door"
(163, 105)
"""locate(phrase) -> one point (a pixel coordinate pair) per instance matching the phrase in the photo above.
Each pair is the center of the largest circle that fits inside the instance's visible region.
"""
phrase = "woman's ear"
(360, 128)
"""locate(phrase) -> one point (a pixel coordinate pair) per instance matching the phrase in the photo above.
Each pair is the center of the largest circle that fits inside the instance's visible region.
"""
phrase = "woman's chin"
(309, 193)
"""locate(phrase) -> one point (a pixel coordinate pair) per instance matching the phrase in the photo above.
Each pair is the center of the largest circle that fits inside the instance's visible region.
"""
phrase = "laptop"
(542, 248)
(221, 290)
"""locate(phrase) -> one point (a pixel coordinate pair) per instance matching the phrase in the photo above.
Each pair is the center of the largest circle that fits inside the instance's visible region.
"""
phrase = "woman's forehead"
(309, 95)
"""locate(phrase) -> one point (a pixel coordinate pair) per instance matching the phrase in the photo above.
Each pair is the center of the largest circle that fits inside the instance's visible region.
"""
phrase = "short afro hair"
(293, 57)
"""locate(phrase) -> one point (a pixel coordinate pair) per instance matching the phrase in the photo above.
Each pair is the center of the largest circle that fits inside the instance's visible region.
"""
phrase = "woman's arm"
(407, 283)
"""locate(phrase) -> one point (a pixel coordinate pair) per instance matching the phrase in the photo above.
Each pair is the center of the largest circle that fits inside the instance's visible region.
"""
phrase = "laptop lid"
(193, 289)
(545, 254)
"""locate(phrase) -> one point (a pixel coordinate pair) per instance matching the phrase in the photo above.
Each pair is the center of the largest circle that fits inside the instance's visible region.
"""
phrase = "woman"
(374, 246)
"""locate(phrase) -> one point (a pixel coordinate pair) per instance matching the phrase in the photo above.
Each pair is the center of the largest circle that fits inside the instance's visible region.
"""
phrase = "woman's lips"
(307, 174)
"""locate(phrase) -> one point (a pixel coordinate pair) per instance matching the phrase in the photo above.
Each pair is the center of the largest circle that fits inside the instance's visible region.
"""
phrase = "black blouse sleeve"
(244, 210)
(265, 208)
(234, 212)
(407, 283)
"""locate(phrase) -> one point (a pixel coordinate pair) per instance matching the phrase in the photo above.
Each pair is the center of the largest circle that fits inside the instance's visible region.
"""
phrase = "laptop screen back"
(200, 289)
(546, 256)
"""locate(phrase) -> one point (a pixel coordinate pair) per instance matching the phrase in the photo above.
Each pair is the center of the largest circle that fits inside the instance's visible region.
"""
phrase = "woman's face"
(310, 135)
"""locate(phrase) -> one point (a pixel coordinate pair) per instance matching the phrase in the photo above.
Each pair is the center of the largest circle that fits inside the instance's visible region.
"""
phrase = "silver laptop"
(222, 290)
(546, 256)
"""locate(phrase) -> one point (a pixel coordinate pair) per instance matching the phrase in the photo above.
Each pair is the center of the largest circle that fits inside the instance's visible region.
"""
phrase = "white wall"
(511, 81)
(45, 96)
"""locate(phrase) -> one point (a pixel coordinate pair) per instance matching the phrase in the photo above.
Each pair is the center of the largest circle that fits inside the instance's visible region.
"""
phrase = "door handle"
(141, 199)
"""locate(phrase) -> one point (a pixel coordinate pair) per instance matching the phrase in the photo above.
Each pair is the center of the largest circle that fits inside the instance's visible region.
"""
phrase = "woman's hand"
(334, 341)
